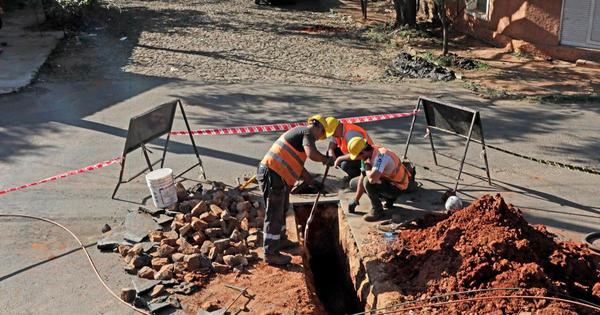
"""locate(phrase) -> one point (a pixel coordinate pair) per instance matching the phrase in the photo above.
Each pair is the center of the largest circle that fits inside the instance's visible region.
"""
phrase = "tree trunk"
(406, 13)
(442, 16)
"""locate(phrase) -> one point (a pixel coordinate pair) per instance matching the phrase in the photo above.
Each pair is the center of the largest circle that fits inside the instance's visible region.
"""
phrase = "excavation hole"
(326, 263)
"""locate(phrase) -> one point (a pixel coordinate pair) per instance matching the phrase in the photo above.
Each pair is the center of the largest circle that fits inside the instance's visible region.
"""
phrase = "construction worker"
(277, 174)
(341, 133)
(386, 176)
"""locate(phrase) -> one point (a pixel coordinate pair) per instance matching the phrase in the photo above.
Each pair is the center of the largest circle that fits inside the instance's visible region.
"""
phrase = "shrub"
(66, 12)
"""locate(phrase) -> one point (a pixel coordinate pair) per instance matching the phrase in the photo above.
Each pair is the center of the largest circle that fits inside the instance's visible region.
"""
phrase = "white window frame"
(472, 4)
(591, 24)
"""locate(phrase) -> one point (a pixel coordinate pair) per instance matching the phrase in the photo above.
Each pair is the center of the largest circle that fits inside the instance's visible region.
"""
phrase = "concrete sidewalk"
(26, 48)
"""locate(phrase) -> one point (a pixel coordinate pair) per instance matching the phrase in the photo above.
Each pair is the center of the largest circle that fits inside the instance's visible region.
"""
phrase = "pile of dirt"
(490, 245)
(407, 65)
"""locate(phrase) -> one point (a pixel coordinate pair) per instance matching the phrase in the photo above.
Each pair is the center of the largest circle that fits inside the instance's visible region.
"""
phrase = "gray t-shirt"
(300, 136)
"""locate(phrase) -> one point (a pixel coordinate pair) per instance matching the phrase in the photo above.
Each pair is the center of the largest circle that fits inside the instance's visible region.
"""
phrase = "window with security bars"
(478, 8)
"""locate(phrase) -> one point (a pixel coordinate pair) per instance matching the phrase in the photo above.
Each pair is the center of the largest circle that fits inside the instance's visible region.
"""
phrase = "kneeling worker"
(387, 177)
(341, 134)
(277, 174)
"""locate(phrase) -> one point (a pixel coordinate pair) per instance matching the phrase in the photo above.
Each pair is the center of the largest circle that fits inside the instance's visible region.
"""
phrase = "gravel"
(217, 40)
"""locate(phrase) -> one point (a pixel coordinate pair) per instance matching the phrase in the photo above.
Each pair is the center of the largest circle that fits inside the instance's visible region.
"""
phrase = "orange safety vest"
(284, 160)
(400, 176)
(351, 131)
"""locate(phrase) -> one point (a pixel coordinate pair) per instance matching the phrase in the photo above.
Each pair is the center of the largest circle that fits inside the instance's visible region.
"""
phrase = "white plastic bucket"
(162, 187)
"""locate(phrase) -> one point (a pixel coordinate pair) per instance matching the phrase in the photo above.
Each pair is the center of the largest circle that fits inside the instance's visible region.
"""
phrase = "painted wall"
(532, 26)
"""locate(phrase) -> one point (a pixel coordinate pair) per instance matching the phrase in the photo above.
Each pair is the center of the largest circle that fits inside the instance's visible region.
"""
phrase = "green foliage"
(66, 12)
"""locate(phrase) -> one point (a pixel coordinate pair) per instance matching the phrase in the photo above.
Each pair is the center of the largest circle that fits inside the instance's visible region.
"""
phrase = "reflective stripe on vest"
(284, 160)
(399, 177)
(351, 131)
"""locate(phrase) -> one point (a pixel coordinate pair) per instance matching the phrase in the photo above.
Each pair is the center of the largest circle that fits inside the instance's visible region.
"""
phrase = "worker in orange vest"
(277, 174)
(386, 176)
(341, 133)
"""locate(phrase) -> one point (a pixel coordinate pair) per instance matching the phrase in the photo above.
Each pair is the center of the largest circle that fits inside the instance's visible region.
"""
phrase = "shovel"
(312, 211)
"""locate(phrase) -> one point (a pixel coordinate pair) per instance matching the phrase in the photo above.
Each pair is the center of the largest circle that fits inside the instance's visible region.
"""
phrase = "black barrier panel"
(150, 125)
(452, 118)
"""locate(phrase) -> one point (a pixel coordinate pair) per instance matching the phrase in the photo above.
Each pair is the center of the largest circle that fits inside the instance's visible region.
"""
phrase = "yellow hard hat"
(322, 121)
(355, 146)
(332, 124)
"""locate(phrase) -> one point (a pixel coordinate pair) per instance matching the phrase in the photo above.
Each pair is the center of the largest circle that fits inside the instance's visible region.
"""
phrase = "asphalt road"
(53, 127)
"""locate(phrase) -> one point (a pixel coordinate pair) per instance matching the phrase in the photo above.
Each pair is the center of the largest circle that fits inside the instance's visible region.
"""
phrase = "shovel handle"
(312, 211)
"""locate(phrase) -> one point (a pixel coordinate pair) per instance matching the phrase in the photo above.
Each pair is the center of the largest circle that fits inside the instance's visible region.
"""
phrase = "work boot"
(287, 244)
(277, 259)
(373, 215)
(389, 203)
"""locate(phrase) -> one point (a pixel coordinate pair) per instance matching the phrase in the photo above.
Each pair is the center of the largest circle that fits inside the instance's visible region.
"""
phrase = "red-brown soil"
(276, 291)
(490, 245)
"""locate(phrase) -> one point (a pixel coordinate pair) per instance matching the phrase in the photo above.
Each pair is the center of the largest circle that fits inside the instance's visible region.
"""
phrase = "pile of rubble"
(407, 65)
(174, 250)
(490, 245)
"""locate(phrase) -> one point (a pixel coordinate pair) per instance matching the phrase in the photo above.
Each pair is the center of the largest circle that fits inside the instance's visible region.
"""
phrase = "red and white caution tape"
(283, 126)
(65, 174)
(211, 132)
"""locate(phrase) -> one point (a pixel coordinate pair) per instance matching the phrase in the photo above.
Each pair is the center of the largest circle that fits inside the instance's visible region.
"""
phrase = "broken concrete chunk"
(137, 226)
(158, 290)
(185, 288)
(140, 261)
(163, 219)
(128, 294)
(216, 210)
(177, 257)
(155, 236)
(186, 248)
(151, 210)
(130, 269)
(179, 267)
(137, 249)
(157, 263)
(199, 209)
(165, 250)
(220, 268)
(142, 285)
(199, 225)
(106, 228)
(139, 302)
(243, 206)
(146, 273)
(212, 254)
(236, 236)
(123, 250)
(185, 229)
(221, 244)
(208, 217)
(196, 261)
(165, 273)
(206, 246)
(198, 238)
(235, 260)
(213, 233)
(236, 248)
(111, 240)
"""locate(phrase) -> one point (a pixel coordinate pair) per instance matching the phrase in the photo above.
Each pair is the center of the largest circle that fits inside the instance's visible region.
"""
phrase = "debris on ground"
(407, 65)
(208, 231)
(106, 228)
(490, 245)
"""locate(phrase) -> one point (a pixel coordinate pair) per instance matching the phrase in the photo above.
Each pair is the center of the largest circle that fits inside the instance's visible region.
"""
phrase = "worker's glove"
(329, 161)
(352, 205)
